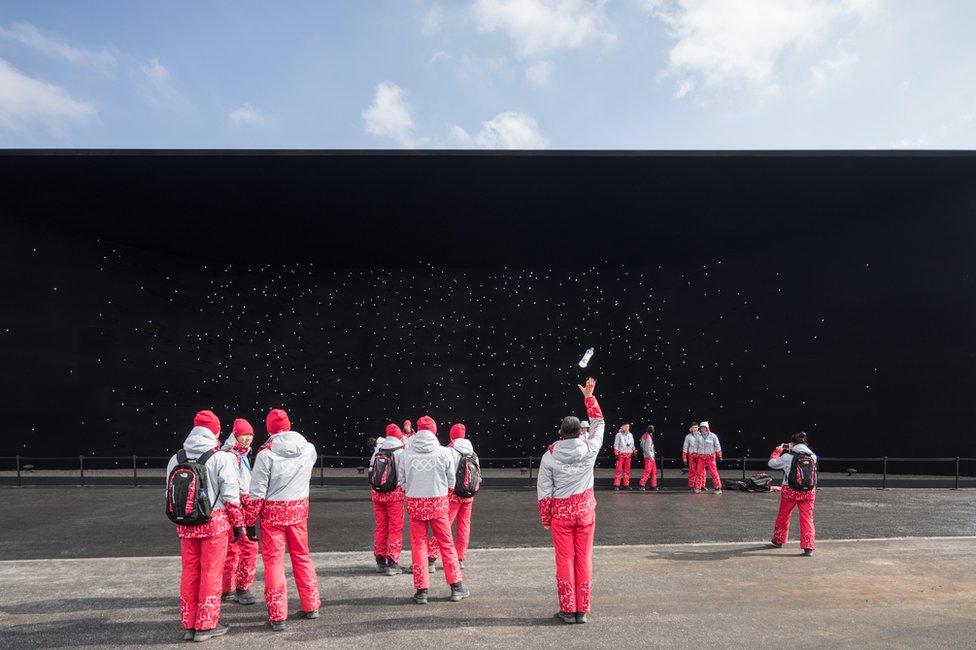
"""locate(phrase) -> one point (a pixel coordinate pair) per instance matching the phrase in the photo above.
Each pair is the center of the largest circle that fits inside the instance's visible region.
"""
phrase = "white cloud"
(26, 102)
(832, 68)
(29, 36)
(539, 73)
(159, 89)
(743, 42)
(389, 115)
(438, 56)
(246, 115)
(540, 26)
(685, 86)
(432, 21)
(509, 130)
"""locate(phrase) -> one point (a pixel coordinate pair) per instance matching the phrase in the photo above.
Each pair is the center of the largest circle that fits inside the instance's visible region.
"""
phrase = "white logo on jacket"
(423, 464)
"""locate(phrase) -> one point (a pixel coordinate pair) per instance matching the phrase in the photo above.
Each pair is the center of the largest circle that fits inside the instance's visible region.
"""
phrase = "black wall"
(765, 292)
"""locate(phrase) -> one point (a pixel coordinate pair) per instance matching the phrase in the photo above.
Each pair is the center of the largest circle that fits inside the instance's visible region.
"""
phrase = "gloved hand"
(238, 531)
(252, 533)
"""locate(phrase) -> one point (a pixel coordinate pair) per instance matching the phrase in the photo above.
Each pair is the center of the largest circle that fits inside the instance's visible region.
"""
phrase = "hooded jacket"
(426, 471)
(623, 444)
(647, 445)
(709, 444)
(222, 485)
(692, 445)
(565, 484)
(280, 480)
(779, 460)
(243, 464)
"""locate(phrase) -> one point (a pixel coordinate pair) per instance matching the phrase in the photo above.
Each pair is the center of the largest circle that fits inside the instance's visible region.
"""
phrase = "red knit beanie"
(458, 431)
(278, 421)
(426, 423)
(242, 428)
(393, 431)
(209, 420)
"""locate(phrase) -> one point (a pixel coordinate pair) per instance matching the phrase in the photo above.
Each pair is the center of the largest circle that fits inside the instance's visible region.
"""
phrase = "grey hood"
(288, 444)
(570, 451)
(424, 442)
(199, 441)
(463, 445)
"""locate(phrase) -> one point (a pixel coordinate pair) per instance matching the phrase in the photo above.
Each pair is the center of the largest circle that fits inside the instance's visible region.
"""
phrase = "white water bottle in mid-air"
(586, 357)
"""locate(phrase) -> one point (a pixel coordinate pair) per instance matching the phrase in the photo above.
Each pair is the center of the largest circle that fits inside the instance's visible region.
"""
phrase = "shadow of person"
(712, 555)
(91, 604)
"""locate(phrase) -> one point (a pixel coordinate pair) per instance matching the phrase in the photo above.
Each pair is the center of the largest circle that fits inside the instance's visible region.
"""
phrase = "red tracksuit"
(650, 464)
(789, 499)
(241, 563)
(388, 515)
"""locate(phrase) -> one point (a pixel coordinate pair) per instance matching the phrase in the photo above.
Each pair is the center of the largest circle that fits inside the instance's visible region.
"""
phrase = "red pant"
(573, 540)
(708, 462)
(203, 564)
(388, 537)
(803, 501)
(441, 528)
(623, 467)
(241, 564)
(274, 539)
(694, 469)
(460, 512)
(650, 470)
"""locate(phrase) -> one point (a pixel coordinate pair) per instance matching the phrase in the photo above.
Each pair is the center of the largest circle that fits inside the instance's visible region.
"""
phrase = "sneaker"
(566, 617)
(393, 569)
(643, 489)
(311, 615)
(245, 597)
(188, 634)
(228, 597)
(420, 597)
(656, 488)
(807, 552)
(459, 592)
(581, 617)
(206, 635)
(697, 491)
(616, 488)
(277, 626)
(718, 491)
(380, 564)
(775, 545)
(630, 488)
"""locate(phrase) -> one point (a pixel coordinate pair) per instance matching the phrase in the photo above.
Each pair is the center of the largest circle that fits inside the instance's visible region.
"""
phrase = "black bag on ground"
(383, 474)
(467, 481)
(187, 492)
(803, 472)
(759, 482)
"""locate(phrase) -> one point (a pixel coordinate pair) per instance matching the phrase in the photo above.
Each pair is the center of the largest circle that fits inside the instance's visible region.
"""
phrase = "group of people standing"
(701, 452)
(219, 554)
(624, 450)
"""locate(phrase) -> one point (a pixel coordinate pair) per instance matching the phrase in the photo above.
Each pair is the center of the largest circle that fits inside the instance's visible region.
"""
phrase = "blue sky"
(523, 74)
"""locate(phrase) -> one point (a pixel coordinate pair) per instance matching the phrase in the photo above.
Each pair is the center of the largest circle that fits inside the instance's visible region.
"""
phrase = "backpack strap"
(181, 456)
(202, 460)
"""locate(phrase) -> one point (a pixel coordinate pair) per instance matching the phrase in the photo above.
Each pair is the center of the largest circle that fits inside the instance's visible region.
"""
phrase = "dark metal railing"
(30, 470)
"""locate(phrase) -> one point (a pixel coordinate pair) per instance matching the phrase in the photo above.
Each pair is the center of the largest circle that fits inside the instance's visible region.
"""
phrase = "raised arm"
(778, 461)
(593, 413)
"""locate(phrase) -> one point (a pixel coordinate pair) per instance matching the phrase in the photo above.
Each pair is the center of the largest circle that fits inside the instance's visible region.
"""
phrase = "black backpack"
(803, 473)
(759, 482)
(467, 481)
(383, 474)
(187, 492)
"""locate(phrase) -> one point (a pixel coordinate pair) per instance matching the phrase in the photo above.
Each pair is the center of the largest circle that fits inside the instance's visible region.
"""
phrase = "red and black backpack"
(383, 474)
(803, 472)
(467, 480)
(187, 493)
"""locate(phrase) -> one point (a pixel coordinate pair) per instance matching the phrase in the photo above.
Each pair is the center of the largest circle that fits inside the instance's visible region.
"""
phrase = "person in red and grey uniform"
(242, 554)
(408, 433)
(709, 452)
(650, 462)
(782, 459)
(624, 450)
(567, 506)
(460, 506)
(690, 456)
(388, 509)
(426, 470)
(203, 548)
(278, 502)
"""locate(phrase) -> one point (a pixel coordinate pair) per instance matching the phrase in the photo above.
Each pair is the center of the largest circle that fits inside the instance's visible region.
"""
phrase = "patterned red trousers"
(241, 564)
(802, 501)
(388, 534)
(708, 462)
(274, 540)
(572, 539)
(203, 564)
(650, 471)
(622, 469)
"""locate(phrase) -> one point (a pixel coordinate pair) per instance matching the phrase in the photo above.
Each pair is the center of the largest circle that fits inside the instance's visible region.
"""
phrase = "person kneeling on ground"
(426, 471)
(242, 553)
(387, 497)
(279, 502)
(799, 466)
(567, 506)
(203, 544)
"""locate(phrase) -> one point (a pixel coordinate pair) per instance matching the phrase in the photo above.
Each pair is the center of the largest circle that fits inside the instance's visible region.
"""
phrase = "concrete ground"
(897, 593)
(40, 523)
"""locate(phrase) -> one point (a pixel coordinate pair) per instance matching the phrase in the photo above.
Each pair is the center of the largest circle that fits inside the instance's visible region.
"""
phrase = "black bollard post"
(321, 471)
(884, 473)
(19, 483)
(81, 469)
(135, 472)
(957, 474)
(743, 467)
(530, 471)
